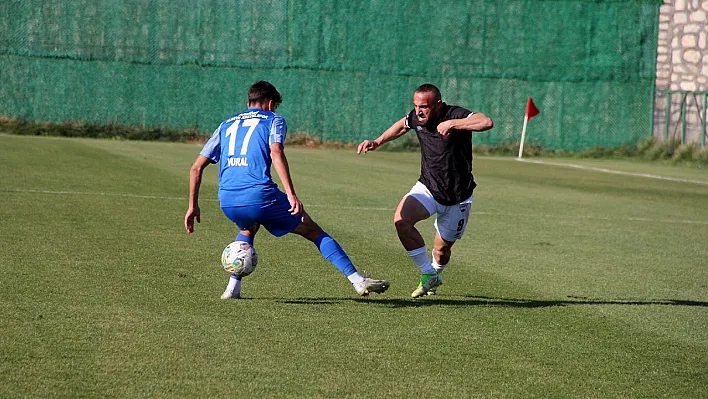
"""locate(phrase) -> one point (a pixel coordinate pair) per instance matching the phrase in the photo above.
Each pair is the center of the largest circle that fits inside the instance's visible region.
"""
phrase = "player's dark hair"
(263, 91)
(428, 88)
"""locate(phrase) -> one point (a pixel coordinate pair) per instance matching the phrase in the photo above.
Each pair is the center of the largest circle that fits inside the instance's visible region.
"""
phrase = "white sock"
(356, 278)
(234, 285)
(438, 267)
(420, 258)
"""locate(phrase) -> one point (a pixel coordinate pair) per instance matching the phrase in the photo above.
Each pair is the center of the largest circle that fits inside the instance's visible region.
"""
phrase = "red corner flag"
(531, 109)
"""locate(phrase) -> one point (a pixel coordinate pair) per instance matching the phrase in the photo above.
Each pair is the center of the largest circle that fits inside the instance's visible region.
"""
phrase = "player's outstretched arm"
(280, 163)
(195, 181)
(477, 122)
(397, 130)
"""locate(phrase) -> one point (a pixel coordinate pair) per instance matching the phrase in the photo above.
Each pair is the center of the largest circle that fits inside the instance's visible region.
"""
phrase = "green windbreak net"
(346, 69)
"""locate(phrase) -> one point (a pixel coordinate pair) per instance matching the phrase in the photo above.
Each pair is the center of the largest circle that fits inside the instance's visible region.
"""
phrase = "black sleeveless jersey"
(446, 162)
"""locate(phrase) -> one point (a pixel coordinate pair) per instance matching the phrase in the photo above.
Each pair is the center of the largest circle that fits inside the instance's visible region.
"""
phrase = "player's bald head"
(429, 88)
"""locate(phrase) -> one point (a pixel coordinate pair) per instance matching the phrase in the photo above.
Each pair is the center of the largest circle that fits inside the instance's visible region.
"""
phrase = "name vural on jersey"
(241, 146)
(240, 161)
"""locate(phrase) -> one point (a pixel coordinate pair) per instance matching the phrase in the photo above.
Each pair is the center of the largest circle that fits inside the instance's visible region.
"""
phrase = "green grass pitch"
(569, 283)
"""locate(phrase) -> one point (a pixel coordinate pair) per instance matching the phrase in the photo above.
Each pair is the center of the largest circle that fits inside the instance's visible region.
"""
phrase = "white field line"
(548, 216)
(38, 191)
(603, 170)
(355, 208)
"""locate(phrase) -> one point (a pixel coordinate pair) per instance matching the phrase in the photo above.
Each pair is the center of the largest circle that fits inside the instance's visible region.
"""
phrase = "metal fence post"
(683, 117)
(667, 116)
(705, 116)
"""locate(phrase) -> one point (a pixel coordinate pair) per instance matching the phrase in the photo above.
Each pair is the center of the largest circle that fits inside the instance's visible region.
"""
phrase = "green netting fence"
(346, 69)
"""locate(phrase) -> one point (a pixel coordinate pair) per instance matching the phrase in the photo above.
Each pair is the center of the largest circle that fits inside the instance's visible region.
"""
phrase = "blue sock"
(248, 239)
(330, 249)
(241, 237)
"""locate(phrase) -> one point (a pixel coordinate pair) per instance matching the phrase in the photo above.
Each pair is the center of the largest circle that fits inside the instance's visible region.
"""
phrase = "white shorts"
(451, 220)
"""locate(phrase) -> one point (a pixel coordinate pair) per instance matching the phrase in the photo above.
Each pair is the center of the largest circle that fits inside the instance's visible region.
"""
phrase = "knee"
(311, 234)
(308, 229)
(402, 224)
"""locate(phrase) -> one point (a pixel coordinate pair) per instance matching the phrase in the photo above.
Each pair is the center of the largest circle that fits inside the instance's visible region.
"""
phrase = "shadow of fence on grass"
(498, 302)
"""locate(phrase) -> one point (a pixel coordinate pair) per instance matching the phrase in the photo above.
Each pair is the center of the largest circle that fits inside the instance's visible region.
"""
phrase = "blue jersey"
(241, 146)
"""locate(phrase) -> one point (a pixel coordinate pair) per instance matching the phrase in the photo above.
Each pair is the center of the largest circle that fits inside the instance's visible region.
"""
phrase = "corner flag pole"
(523, 135)
(531, 111)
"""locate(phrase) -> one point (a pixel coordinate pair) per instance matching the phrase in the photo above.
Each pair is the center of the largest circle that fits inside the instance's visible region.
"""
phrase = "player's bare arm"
(195, 181)
(396, 130)
(280, 162)
(477, 122)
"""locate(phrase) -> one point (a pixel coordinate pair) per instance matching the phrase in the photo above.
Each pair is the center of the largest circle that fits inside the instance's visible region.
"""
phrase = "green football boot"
(434, 288)
(427, 280)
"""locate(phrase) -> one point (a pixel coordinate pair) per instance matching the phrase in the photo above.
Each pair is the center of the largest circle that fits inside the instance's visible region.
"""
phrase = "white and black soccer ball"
(239, 258)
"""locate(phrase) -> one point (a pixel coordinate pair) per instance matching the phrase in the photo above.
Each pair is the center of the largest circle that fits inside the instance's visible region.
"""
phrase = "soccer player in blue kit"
(245, 146)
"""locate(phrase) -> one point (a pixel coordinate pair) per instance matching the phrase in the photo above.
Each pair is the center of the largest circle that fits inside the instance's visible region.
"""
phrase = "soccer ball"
(239, 258)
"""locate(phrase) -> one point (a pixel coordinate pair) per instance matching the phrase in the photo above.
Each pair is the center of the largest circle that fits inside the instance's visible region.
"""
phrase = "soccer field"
(571, 282)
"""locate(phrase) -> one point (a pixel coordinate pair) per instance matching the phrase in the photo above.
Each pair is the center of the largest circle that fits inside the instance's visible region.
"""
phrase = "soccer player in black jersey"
(445, 185)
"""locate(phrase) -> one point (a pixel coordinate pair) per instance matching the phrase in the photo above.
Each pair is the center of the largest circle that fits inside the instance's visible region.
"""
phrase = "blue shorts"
(274, 216)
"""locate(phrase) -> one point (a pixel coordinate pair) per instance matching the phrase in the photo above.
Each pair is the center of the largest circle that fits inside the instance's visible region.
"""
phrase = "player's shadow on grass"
(498, 302)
